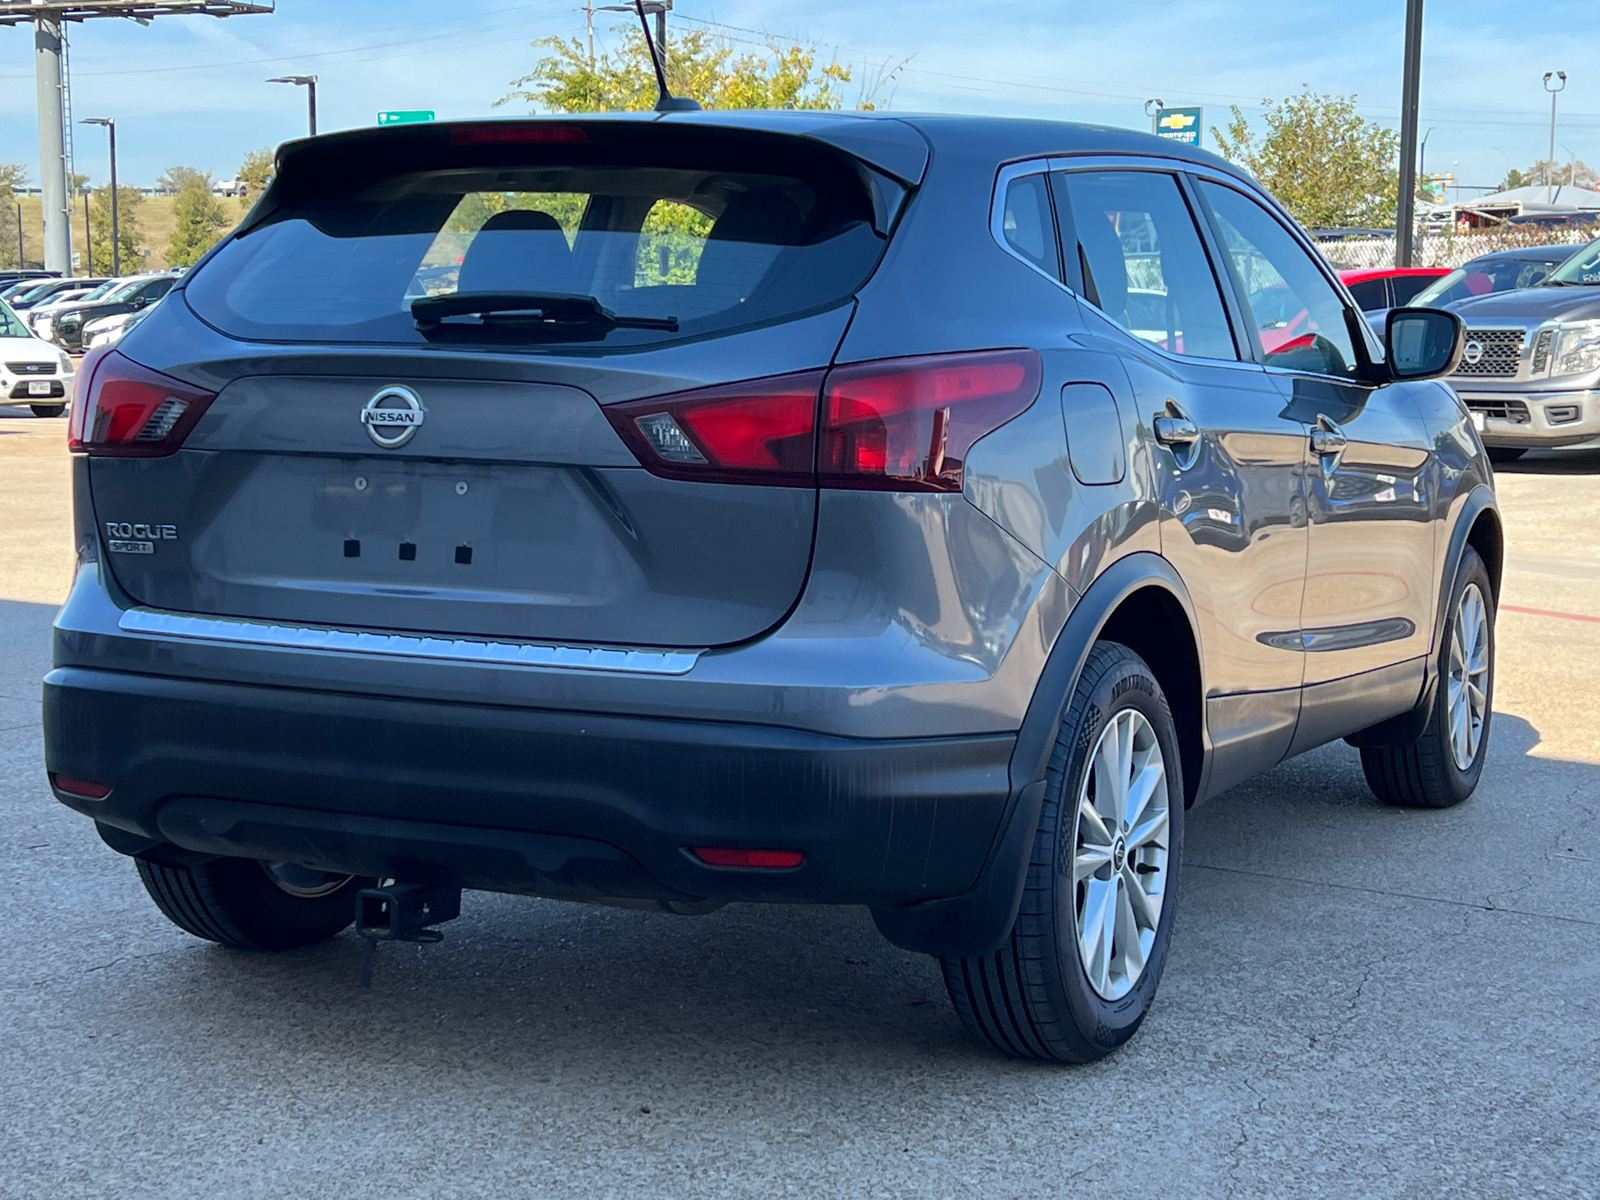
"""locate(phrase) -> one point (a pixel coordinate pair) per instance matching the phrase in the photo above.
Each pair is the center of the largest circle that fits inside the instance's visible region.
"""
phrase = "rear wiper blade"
(543, 307)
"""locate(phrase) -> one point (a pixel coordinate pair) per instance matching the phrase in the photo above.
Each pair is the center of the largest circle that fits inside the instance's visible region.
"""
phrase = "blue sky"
(191, 89)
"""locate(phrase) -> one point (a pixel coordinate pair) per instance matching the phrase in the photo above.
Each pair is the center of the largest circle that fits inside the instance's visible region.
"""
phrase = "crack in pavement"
(1371, 891)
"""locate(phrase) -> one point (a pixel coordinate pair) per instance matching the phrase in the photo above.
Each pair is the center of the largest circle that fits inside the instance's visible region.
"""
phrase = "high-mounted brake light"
(517, 133)
(125, 410)
(897, 424)
(907, 424)
(763, 431)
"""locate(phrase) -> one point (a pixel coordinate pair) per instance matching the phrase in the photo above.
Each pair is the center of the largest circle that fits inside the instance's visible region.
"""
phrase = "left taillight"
(126, 410)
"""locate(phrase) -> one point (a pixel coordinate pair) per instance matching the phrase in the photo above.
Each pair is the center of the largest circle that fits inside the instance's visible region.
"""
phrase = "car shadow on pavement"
(521, 988)
(1552, 462)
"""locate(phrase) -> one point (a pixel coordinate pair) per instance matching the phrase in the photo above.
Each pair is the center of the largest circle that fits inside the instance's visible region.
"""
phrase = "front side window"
(1143, 262)
(1297, 315)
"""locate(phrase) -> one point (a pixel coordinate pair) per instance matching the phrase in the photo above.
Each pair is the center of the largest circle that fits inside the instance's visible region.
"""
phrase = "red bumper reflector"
(87, 788)
(729, 856)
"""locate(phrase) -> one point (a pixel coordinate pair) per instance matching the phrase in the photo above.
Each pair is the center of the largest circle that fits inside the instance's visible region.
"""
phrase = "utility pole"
(22, 253)
(88, 237)
(1550, 174)
(309, 82)
(116, 239)
(52, 145)
(588, 24)
(1411, 89)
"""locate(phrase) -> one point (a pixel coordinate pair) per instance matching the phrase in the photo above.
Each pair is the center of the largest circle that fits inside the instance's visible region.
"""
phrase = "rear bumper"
(575, 805)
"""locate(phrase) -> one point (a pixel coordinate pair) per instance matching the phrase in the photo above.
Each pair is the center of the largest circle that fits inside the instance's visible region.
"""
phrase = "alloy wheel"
(1119, 854)
(1467, 688)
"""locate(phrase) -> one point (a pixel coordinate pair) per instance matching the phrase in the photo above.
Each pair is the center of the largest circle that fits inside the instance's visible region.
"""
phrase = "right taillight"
(123, 409)
(906, 424)
(902, 424)
(761, 431)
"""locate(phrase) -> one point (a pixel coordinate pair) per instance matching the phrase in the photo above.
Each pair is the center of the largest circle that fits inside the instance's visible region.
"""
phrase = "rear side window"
(1144, 265)
(714, 236)
(1370, 294)
(1027, 225)
(1403, 289)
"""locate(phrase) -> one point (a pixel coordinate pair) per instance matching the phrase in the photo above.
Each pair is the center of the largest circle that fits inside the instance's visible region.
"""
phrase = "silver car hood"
(1530, 306)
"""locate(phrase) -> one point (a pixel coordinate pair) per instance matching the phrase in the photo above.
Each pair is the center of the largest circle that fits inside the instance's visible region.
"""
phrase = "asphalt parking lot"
(1360, 1001)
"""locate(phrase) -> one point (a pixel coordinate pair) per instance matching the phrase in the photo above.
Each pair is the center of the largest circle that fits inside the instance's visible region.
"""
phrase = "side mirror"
(1423, 343)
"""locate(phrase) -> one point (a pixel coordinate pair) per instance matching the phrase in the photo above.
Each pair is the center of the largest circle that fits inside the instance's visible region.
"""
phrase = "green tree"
(173, 178)
(1545, 173)
(257, 169)
(202, 220)
(12, 177)
(1318, 156)
(1514, 179)
(129, 203)
(698, 65)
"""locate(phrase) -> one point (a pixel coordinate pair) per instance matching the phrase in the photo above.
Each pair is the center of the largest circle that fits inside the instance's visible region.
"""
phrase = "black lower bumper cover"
(518, 800)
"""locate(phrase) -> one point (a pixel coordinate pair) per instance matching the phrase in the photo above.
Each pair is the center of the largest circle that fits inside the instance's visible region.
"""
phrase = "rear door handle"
(1176, 431)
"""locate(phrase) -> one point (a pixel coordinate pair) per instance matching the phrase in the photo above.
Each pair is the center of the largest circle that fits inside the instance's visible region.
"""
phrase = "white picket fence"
(1446, 249)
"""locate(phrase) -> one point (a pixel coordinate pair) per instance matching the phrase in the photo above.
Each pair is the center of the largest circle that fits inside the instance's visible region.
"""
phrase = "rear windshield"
(694, 238)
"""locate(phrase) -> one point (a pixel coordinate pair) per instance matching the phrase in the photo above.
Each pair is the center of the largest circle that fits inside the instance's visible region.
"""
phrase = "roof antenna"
(666, 101)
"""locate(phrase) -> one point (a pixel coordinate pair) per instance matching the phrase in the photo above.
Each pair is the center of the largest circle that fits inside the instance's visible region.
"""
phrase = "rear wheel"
(1077, 974)
(48, 410)
(1442, 767)
(251, 905)
(1505, 454)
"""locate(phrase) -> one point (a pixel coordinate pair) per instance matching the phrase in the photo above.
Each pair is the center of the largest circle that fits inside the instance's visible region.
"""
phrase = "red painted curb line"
(1545, 612)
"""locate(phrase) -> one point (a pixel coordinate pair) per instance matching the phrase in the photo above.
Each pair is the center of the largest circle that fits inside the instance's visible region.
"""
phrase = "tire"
(48, 410)
(1430, 773)
(247, 905)
(1504, 454)
(1034, 997)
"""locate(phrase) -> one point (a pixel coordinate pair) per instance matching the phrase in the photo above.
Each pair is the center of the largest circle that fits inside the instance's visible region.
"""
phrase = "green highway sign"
(1180, 124)
(405, 116)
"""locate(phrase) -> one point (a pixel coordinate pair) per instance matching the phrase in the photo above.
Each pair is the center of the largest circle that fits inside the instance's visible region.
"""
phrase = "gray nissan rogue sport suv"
(919, 513)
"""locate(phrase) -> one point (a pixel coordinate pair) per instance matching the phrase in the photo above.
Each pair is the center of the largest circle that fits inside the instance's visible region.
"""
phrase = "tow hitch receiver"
(401, 912)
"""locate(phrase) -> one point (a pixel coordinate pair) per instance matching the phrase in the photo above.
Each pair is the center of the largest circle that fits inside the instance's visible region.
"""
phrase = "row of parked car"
(1530, 372)
(79, 313)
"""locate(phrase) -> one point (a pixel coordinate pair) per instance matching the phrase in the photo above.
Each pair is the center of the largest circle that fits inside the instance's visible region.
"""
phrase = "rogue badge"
(393, 416)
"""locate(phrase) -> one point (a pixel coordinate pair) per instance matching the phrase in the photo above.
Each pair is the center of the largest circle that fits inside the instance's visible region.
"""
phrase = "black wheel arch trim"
(979, 921)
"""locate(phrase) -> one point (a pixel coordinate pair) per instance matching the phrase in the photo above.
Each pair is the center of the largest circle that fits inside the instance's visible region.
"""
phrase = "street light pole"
(116, 241)
(1411, 87)
(309, 82)
(1550, 176)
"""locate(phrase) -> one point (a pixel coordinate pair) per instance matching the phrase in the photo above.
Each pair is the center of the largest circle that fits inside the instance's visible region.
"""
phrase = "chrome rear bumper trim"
(400, 645)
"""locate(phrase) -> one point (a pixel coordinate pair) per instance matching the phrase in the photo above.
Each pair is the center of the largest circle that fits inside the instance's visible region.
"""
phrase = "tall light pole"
(46, 18)
(1550, 178)
(309, 82)
(116, 242)
(1422, 159)
(1411, 88)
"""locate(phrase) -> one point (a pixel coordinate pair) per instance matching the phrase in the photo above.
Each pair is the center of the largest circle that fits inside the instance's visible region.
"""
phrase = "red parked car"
(1379, 289)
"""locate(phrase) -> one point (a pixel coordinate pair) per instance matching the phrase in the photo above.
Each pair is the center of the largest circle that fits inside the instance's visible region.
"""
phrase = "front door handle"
(1328, 438)
(1176, 431)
